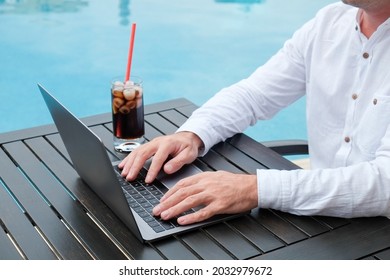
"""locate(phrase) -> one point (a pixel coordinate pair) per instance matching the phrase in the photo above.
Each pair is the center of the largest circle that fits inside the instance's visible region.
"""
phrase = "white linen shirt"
(346, 79)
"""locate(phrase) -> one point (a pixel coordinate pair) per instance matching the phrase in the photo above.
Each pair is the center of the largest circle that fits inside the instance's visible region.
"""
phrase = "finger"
(178, 162)
(180, 201)
(181, 207)
(196, 217)
(157, 162)
(127, 161)
(183, 183)
(123, 162)
(166, 204)
(136, 161)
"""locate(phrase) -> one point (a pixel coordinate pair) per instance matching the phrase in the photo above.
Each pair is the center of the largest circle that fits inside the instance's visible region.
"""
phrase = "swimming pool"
(182, 49)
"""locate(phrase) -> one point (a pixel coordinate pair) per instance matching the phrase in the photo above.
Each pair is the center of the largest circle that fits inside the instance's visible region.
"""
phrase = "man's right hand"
(183, 148)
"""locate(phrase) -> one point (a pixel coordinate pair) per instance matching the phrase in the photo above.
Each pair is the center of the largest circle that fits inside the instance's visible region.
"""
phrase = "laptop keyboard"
(143, 197)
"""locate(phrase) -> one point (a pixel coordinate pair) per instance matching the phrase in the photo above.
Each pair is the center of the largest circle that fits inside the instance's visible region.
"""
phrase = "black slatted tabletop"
(47, 211)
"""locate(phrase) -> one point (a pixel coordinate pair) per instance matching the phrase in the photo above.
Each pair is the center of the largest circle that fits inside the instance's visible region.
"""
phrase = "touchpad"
(169, 180)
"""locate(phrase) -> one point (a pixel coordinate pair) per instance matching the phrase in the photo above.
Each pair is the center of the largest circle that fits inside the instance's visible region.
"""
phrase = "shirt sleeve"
(358, 190)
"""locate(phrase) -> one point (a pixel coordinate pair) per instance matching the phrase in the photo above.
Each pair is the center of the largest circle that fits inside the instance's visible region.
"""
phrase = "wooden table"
(47, 212)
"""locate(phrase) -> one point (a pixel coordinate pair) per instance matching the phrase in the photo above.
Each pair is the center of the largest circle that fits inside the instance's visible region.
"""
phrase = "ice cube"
(129, 93)
(118, 102)
(131, 104)
(118, 85)
(129, 84)
(138, 91)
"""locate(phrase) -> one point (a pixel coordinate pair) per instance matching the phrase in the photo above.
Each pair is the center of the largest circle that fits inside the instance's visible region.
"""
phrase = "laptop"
(132, 201)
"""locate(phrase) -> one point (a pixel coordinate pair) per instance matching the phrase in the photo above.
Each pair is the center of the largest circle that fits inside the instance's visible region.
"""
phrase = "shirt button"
(366, 55)
(347, 139)
(375, 101)
(354, 96)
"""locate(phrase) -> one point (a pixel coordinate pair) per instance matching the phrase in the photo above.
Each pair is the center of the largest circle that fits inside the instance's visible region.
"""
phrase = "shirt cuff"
(203, 134)
(273, 189)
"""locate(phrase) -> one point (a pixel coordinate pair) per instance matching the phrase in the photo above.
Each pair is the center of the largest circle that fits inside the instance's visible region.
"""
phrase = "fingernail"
(148, 178)
(156, 210)
(168, 167)
(131, 174)
(181, 220)
(165, 215)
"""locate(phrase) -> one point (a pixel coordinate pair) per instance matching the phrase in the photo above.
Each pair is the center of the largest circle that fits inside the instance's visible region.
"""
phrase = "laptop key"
(140, 188)
(154, 201)
(151, 188)
(137, 196)
(174, 222)
(149, 197)
(163, 189)
(134, 205)
(130, 201)
(154, 223)
(138, 209)
(136, 184)
(130, 190)
(144, 192)
(148, 219)
(146, 204)
(156, 193)
(158, 229)
(143, 214)
(127, 195)
(141, 200)
(166, 225)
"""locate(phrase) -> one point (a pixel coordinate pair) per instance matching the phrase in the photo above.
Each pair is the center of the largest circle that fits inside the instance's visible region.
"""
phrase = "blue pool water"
(182, 49)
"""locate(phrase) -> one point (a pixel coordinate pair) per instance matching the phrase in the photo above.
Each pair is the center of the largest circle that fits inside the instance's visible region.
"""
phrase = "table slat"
(256, 234)
(174, 249)
(22, 231)
(384, 255)
(161, 124)
(282, 229)
(7, 249)
(174, 116)
(42, 215)
(267, 157)
(354, 241)
(308, 225)
(205, 247)
(233, 241)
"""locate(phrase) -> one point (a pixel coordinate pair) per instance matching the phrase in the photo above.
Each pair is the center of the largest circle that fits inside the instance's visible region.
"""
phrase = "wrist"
(196, 141)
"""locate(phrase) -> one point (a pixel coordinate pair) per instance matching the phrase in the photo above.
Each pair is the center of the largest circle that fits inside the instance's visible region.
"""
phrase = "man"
(340, 60)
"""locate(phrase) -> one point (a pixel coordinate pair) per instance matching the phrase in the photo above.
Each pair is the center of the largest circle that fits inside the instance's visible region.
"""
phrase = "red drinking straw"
(130, 52)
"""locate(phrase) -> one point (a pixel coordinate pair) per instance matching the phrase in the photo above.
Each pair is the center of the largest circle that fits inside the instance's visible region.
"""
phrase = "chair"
(291, 148)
